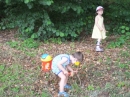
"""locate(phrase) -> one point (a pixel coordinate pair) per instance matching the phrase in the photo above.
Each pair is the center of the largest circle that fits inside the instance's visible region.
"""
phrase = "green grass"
(17, 81)
(23, 80)
(28, 43)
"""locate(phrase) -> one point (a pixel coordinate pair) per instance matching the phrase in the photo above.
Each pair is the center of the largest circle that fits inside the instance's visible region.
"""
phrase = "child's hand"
(105, 30)
(101, 29)
(72, 73)
(66, 72)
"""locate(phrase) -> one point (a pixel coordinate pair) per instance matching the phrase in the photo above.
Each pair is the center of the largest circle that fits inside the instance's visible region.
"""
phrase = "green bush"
(117, 14)
(44, 19)
(27, 43)
(124, 32)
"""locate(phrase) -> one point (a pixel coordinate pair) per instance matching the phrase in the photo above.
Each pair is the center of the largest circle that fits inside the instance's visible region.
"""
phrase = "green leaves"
(7, 1)
(77, 9)
(125, 36)
(44, 19)
(61, 34)
(90, 87)
(26, 1)
(46, 2)
(1, 68)
(34, 36)
(121, 84)
(122, 31)
(30, 43)
(127, 28)
(13, 44)
(27, 43)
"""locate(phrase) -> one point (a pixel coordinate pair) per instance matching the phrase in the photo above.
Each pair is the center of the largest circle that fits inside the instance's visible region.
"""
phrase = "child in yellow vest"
(99, 31)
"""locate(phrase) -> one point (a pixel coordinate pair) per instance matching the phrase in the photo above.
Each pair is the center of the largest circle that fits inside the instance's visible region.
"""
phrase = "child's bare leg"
(62, 81)
(98, 45)
(66, 80)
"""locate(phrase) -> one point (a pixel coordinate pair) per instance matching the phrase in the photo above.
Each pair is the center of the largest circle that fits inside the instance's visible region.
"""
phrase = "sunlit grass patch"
(16, 80)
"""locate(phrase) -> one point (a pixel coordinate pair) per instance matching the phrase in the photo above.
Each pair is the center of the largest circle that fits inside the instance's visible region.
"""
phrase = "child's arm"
(104, 27)
(96, 22)
(64, 59)
(69, 68)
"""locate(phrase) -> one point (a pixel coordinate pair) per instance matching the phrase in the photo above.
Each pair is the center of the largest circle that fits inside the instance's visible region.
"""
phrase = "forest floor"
(101, 74)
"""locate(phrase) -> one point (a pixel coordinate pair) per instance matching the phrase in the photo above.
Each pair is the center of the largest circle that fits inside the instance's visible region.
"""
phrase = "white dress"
(97, 34)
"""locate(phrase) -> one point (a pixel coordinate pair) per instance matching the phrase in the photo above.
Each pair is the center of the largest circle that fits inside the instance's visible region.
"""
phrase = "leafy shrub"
(44, 19)
(30, 43)
(90, 87)
(13, 44)
(124, 31)
(117, 14)
(27, 43)
(121, 84)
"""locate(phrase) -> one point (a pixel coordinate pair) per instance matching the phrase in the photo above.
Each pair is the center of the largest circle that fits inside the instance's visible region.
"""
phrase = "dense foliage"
(64, 19)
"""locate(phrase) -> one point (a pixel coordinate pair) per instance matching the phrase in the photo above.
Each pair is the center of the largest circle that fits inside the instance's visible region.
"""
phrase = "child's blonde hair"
(78, 55)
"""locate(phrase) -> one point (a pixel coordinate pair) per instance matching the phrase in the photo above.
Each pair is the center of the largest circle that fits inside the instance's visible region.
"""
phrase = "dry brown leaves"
(92, 71)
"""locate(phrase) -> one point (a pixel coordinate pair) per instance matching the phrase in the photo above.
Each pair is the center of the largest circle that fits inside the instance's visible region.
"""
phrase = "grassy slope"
(104, 74)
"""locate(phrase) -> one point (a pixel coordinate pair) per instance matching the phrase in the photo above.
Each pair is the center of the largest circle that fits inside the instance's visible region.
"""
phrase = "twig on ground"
(79, 79)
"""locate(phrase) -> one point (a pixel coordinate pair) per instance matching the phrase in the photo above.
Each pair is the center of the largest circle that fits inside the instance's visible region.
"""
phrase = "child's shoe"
(65, 94)
(67, 86)
(99, 50)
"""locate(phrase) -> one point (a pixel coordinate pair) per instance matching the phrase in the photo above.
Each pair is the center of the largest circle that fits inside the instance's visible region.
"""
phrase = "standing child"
(61, 67)
(99, 31)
